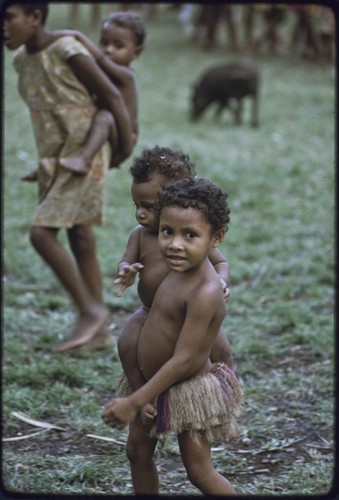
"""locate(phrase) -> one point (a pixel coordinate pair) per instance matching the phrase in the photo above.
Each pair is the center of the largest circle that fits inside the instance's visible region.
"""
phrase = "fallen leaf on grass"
(330, 448)
(36, 423)
(25, 436)
(104, 438)
(277, 445)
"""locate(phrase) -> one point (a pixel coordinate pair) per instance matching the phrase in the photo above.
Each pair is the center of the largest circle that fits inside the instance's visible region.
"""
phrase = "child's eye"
(103, 42)
(190, 235)
(166, 231)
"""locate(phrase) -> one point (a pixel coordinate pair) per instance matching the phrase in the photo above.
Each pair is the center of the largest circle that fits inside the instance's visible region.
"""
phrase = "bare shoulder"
(135, 235)
(137, 230)
(122, 75)
(209, 291)
(206, 296)
(142, 236)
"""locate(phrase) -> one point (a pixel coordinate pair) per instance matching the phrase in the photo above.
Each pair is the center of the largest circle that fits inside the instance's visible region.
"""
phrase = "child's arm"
(129, 266)
(200, 312)
(97, 83)
(121, 75)
(222, 268)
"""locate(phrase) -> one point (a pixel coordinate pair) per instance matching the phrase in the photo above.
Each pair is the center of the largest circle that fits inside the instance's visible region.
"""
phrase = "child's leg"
(127, 347)
(92, 313)
(103, 128)
(140, 450)
(221, 350)
(196, 456)
(83, 245)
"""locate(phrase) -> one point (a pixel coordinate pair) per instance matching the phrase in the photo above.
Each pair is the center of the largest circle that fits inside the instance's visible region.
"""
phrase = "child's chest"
(153, 272)
(155, 267)
(172, 297)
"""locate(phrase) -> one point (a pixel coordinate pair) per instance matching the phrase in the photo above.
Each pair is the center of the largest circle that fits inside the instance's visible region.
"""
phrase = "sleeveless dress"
(62, 111)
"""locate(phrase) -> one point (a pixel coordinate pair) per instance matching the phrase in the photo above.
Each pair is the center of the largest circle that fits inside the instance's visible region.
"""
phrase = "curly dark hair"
(172, 164)
(129, 20)
(200, 194)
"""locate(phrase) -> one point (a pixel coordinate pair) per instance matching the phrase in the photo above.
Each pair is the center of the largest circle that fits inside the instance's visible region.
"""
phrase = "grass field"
(280, 246)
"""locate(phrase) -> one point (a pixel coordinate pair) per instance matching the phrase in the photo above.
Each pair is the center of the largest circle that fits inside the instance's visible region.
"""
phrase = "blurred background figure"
(98, 10)
(187, 17)
(295, 30)
(272, 17)
(303, 37)
(327, 35)
(208, 19)
(74, 14)
(313, 35)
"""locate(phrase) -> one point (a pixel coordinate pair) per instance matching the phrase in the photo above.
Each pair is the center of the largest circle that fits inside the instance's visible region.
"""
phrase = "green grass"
(280, 246)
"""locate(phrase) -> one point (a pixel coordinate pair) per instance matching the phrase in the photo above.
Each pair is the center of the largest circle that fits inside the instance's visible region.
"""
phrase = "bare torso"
(155, 268)
(176, 311)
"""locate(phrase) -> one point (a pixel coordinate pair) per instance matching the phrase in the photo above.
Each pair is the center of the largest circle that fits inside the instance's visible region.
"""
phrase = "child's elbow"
(184, 362)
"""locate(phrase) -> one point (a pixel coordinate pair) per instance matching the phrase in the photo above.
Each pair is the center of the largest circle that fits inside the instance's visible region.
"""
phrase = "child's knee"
(123, 345)
(82, 240)
(105, 119)
(226, 356)
(139, 453)
(127, 351)
(128, 341)
(222, 351)
(37, 237)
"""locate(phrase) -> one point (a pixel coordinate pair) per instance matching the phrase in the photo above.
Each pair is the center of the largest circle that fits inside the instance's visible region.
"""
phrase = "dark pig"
(227, 85)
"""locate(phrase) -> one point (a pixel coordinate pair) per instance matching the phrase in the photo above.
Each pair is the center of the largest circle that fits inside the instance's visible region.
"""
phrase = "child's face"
(18, 27)
(185, 238)
(118, 44)
(145, 196)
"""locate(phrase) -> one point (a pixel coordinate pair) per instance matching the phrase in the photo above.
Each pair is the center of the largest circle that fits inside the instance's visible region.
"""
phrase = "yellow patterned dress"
(61, 111)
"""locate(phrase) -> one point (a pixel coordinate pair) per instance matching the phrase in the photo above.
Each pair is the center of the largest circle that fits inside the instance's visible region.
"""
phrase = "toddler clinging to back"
(151, 171)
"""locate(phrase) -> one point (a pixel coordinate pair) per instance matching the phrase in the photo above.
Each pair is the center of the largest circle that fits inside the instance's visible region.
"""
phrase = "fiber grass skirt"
(206, 405)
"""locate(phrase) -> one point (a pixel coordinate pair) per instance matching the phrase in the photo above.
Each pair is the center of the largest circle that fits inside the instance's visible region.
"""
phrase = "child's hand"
(225, 289)
(126, 277)
(31, 177)
(118, 413)
(148, 413)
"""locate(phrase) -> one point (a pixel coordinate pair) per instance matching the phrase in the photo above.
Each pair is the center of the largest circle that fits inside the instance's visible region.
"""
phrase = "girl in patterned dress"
(58, 78)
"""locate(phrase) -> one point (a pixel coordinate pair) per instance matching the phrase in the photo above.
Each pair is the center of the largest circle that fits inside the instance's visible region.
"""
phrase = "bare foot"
(86, 329)
(78, 165)
(102, 339)
(31, 177)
